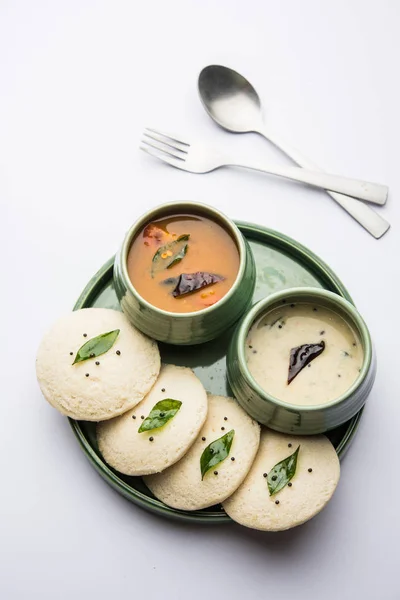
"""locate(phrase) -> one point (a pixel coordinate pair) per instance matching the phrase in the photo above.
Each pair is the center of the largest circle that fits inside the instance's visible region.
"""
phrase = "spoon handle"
(364, 190)
(366, 216)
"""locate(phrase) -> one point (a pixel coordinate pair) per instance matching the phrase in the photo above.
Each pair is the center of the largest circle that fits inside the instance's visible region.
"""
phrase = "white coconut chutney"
(272, 338)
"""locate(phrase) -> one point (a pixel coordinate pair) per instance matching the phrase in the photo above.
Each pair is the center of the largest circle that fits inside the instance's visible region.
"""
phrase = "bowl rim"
(262, 307)
(190, 207)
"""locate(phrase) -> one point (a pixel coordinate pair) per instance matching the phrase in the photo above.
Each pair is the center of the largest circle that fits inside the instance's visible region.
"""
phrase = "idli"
(306, 474)
(216, 464)
(94, 365)
(170, 416)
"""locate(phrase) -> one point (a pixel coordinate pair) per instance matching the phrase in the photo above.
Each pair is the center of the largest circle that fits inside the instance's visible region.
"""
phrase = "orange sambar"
(171, 252)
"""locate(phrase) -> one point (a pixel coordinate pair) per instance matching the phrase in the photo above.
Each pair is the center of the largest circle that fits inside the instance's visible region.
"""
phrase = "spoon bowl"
(233, 103)
(230, 99)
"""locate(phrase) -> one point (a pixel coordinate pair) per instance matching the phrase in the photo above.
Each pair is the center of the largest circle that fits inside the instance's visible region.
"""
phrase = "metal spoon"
(233, 103)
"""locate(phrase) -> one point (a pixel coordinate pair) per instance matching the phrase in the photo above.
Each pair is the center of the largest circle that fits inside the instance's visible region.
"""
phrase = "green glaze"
(186, 328)
(281, 263)
(280, 475)
(293, 418)
(216, 452)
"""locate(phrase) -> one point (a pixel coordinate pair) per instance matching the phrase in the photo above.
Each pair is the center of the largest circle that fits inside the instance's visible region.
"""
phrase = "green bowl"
(186, 328)
(291, 418)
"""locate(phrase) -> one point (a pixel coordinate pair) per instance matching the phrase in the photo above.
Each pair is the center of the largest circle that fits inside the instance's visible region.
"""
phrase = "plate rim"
(252, 231)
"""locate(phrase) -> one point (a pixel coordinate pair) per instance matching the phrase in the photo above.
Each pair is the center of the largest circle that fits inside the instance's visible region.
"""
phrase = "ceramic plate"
(281, 263)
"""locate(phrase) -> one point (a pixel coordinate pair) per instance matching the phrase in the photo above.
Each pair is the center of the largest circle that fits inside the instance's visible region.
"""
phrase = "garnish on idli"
(216, 464)
(158, 431)
(291, 480)
(93, 364)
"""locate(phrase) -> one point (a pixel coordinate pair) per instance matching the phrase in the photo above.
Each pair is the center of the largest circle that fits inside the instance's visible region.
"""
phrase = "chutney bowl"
(292, 418)
(191, 327)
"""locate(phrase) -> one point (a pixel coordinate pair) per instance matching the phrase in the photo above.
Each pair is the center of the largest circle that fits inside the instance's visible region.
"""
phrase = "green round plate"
(281, 263)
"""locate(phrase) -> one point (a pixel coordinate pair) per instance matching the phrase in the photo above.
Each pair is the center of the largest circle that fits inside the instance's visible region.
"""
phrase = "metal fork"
(200, 158)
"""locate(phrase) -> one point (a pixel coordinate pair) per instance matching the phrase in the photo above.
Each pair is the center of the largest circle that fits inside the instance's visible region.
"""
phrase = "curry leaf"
(280, 475)
(178, 257)
(170, 254)
(96, 346)
(216, 452)
(160, 414)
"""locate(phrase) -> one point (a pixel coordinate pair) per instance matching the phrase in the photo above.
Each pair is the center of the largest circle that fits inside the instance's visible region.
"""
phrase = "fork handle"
(372, 192)
(363, 214)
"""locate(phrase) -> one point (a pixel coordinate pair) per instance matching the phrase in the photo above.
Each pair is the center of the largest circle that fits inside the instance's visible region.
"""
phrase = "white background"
(79, 80)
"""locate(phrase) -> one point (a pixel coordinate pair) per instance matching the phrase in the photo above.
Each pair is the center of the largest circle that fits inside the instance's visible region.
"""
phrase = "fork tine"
(159, 148)
(161, 156)
(168, 137)
(152, 137)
